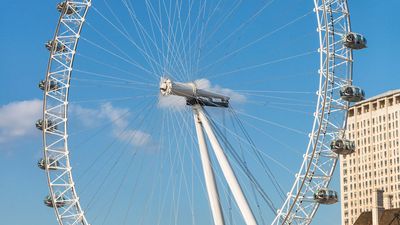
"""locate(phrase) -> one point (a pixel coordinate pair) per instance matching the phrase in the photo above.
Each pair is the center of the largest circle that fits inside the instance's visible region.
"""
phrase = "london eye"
(196, 112)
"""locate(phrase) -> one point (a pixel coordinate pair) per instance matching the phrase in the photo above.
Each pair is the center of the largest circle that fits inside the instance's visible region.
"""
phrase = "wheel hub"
(193, 94)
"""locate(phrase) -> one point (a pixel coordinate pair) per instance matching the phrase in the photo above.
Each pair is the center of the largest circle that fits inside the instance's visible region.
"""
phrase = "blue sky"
(27, 25)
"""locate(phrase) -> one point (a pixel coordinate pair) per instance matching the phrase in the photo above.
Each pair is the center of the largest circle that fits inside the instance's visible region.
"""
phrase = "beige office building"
(374, 126)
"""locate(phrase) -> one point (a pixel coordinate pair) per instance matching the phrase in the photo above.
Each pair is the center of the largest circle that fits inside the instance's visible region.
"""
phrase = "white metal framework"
(55, 109)
(330, 115)
(319, 161)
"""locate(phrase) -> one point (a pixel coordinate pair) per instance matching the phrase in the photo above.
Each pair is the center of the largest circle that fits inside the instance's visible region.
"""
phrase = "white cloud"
(173, 102)
(17, 119)
(135, 137)
(179, 103)
(234, 96)
(88, 117)
(118, 117)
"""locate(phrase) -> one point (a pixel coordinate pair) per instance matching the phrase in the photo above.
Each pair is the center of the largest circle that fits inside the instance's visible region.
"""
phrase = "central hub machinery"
(193, 95)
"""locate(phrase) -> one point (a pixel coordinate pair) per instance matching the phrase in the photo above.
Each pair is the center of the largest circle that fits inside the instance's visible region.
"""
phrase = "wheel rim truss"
(55, 136)
(330, 117)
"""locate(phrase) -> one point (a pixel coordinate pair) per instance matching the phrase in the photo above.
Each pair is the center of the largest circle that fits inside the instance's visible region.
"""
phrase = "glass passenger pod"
(343, 146)
(352, 93)
(326, 196)
(70, 8)
(45, 124)
(354, 41)
(53, 164)
(52, 85)
(59, 46)
(59, 201)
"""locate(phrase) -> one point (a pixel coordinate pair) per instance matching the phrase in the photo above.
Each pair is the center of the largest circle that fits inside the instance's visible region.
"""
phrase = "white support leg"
(211, 186)
(227, 171)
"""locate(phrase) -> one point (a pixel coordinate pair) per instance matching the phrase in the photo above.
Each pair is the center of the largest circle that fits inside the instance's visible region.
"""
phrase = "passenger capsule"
(352, 93)
(53, 164)
(326, 196)
(40, 124)
(343, 146)
(71, 8)
(59, 201)
(354, 41)
(52, 85)
(60, 47)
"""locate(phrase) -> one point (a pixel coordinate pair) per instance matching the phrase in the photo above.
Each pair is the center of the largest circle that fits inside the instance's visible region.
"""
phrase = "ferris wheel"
(172, 101)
